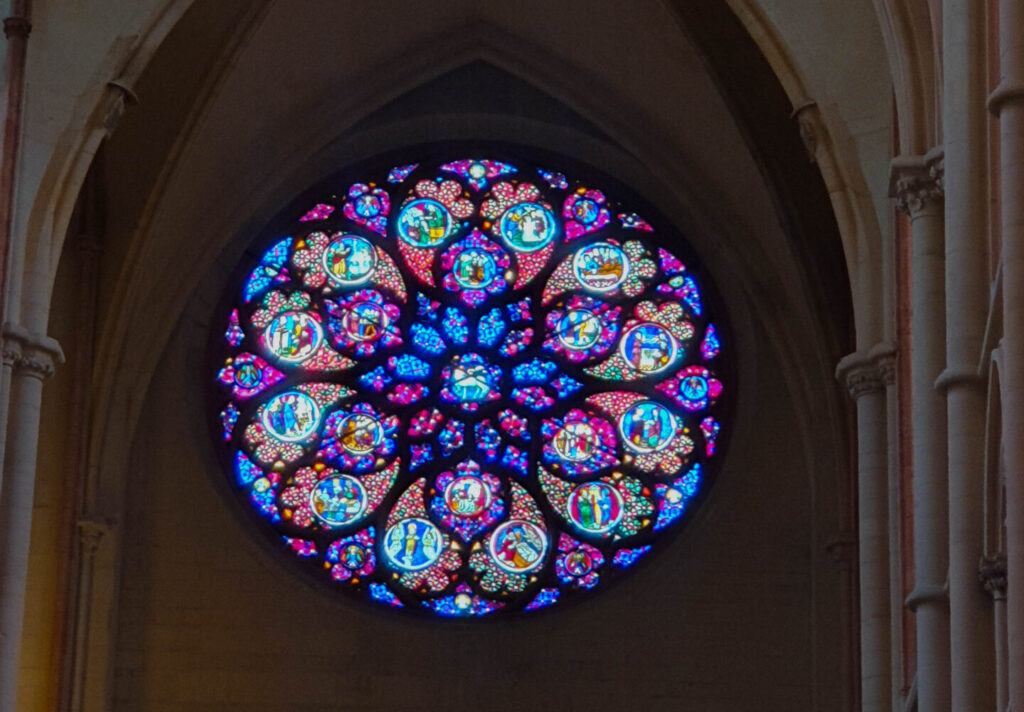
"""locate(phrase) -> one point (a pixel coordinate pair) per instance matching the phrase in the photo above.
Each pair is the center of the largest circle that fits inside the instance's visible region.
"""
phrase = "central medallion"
(470, 380)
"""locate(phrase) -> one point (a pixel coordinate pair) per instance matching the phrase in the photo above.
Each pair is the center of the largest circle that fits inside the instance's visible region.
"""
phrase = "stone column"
(1007, 102)
(965, 184)
(91, 534)
(34, 362)
(11, 352)
(889, 370)
(864, 377)
(992, 573)
(917, 186)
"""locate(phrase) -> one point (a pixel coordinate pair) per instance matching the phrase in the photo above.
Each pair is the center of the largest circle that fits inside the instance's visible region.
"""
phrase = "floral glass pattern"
(469, 391)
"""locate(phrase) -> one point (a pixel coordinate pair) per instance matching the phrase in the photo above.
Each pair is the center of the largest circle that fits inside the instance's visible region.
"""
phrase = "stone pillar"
(889, 370)
(16, 31)
(992, 573)
(965, 184)
(35, 361)
(864, 377)
(91, 534)
(1007, 102)
(917, 186)
(11, 352)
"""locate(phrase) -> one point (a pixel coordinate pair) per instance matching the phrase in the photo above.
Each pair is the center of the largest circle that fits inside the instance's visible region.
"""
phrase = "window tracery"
(470, 388)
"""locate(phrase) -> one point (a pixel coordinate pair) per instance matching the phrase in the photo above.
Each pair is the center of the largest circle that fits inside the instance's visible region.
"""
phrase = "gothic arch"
(137, 326)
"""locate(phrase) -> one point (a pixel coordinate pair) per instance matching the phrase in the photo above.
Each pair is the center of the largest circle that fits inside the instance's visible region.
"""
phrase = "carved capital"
(916, 182)
(30, 355)
(90, 535)
(11, 352)
(868, 372)
(887, 369)
(119, 98)
(37, 363)
(861, 381)
(808, 120)
(16, 27)
(936, 162)
(992, 574)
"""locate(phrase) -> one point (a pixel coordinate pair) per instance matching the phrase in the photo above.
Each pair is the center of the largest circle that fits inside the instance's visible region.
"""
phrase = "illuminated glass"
(470, 388)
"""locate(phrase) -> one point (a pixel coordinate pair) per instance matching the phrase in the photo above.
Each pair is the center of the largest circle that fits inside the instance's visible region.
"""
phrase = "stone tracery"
(449, 398)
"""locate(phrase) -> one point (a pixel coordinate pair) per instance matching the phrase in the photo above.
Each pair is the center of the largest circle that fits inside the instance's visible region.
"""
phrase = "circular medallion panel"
(339, 500)
(600, 267)
(579, 329)
(467, 497)
(424, 223)
(648, 348)
(293, 336)
(518, 546)
(291, 416)
(595, 507)
(528, 227)
(349, 260)
(413, 544)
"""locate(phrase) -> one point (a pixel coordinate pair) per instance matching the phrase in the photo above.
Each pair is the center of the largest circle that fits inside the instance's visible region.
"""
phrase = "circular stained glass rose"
(475, 389)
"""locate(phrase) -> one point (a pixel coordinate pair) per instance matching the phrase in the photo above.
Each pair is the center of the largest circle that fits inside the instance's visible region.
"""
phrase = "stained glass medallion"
(468, 391)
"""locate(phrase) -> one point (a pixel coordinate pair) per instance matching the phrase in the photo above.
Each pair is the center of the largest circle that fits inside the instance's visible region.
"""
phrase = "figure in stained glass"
(291, 416)
(424, 223)
(647, 426)
(527, 227)
(648, 348)
(349, 260)
(595, 507)
(518, 546)
(600, 267)
(413, 544)
(338, 500)
(293, 336)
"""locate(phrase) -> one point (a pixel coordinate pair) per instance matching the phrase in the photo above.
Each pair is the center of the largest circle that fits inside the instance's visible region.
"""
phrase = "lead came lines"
(469, 391)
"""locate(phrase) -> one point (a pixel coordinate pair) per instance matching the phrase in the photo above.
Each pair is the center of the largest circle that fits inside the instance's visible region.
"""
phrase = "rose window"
(469, 389)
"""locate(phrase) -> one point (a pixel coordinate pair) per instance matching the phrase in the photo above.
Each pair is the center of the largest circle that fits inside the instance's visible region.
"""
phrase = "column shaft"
(919, 193)
(895, 540)
(965, 148)
(16, 523)
(864, 380)
(873, 507)
(1007, 102)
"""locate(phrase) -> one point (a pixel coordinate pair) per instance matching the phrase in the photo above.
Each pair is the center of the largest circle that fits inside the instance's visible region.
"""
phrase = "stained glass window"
(469, 388)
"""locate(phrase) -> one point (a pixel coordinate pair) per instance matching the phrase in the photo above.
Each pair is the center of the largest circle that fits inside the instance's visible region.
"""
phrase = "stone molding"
(917, 182)
(954, 377)
(807, 117)
(923, 594)
(17, 27)
(36, 356)
(1008, 91)
(868, 372)
(992, 574)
